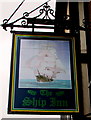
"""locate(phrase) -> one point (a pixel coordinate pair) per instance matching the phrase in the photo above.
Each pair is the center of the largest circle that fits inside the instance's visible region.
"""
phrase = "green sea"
(32, 83)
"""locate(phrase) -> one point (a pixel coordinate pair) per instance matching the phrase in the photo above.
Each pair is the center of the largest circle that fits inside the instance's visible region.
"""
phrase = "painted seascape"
(45, 64)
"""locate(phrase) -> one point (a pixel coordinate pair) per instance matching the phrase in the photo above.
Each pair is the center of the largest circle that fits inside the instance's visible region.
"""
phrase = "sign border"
(11, 108)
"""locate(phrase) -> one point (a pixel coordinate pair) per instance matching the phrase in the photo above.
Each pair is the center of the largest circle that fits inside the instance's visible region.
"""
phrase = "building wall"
(85, 78)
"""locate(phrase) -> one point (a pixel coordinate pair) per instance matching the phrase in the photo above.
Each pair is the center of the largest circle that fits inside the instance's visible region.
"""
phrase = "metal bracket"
(48, 18)
(27, 22)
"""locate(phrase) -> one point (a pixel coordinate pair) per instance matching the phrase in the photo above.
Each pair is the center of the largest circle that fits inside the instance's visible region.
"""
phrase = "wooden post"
(61, 11)
(87, 11)
(74, 16)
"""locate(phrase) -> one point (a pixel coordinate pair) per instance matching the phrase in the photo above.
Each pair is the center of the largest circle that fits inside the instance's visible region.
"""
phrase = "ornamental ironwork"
(46, 12)
(45, 17)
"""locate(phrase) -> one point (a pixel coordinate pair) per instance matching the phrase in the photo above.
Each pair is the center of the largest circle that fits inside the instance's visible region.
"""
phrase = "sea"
(56, 84)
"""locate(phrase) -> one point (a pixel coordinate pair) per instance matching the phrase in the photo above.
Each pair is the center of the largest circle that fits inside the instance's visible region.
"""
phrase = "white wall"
(7, 7)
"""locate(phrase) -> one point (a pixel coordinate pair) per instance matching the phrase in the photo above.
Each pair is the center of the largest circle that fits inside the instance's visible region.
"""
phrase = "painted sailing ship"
(46, 65)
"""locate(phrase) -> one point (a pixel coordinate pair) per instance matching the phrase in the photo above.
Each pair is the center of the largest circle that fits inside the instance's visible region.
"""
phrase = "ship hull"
(41, 78)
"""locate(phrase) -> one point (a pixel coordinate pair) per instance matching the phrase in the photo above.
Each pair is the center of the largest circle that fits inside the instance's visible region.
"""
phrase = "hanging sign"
(43, 75)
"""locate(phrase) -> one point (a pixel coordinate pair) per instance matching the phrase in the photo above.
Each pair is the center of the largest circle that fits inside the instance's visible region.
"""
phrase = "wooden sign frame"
(46, 94)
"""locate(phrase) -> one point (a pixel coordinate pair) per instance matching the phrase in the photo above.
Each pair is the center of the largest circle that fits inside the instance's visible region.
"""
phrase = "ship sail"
(46, 65)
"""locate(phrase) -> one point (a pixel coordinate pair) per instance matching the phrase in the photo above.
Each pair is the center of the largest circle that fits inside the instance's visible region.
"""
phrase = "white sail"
(47, 63)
